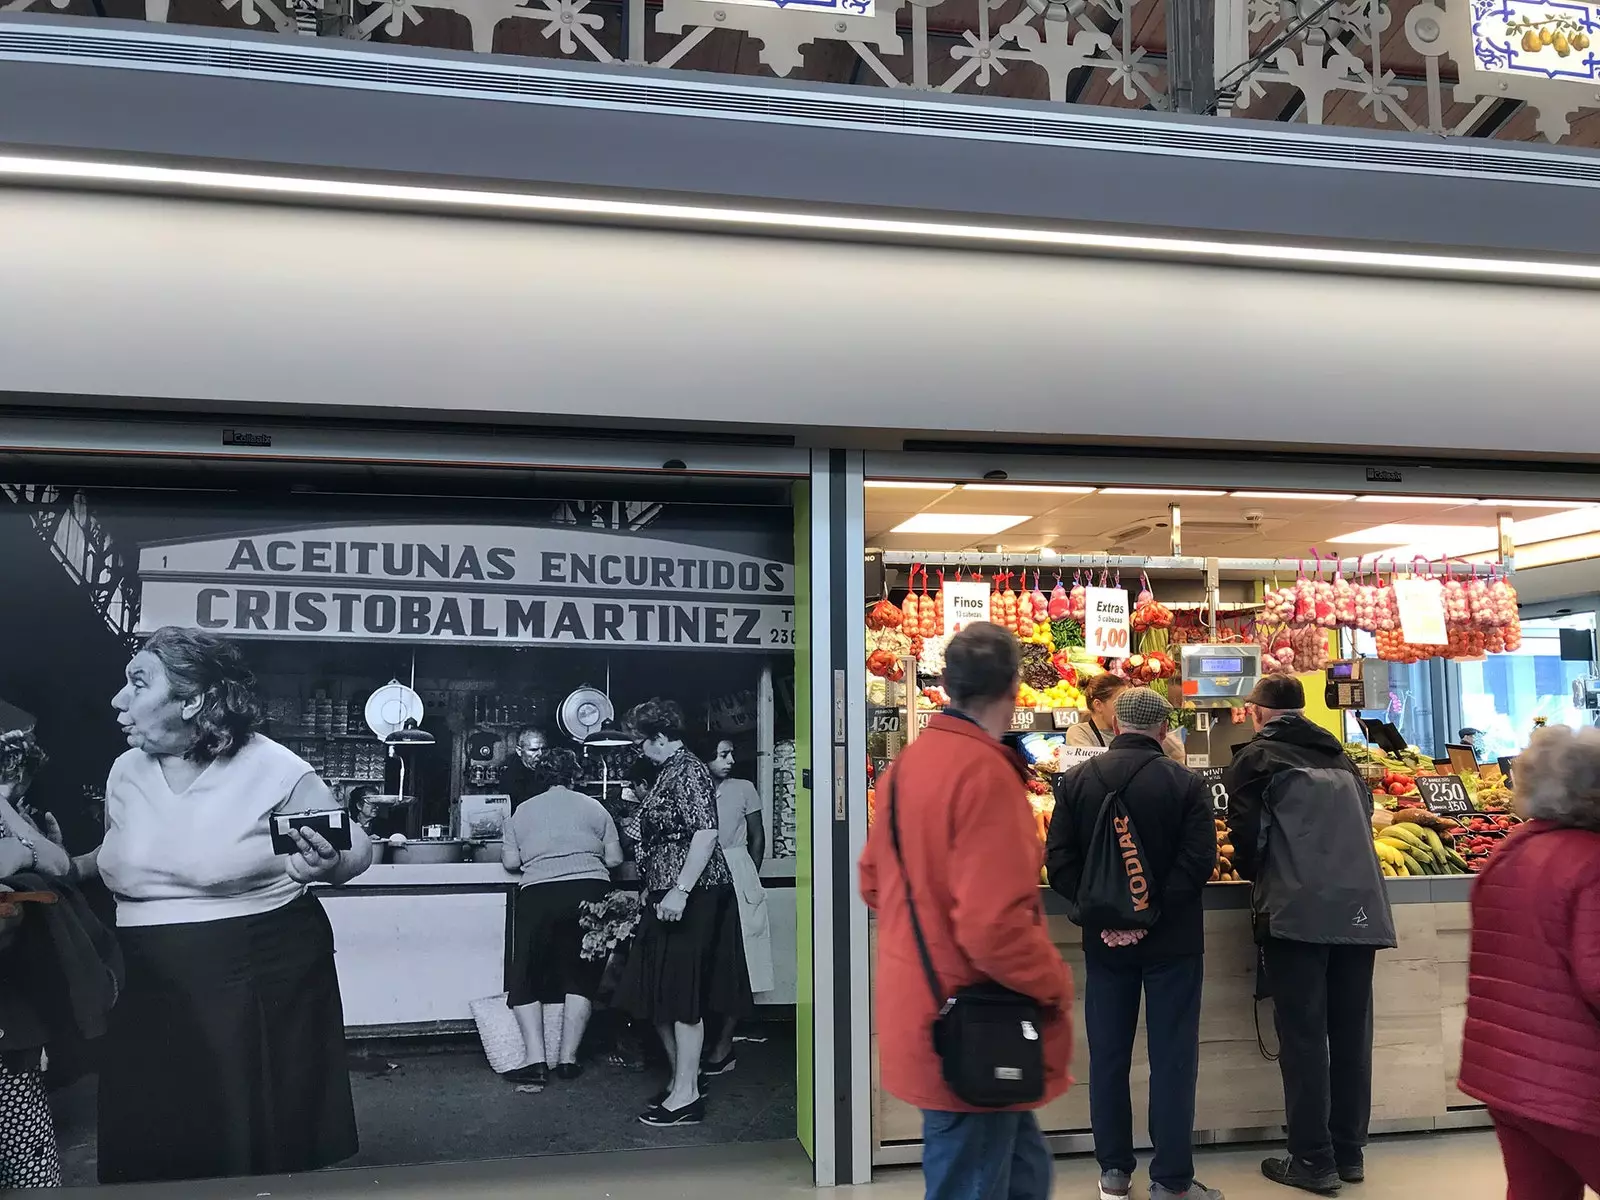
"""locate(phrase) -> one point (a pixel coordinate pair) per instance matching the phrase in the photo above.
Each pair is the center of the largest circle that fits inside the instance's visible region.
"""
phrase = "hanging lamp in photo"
(409, 734)
(608, 737)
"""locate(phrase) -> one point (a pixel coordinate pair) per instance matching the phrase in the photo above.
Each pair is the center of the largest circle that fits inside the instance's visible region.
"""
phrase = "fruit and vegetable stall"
(1431, 829)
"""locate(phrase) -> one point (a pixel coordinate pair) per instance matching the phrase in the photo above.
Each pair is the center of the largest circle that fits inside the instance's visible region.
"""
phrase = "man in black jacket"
(1301, 821)
(1171, 814)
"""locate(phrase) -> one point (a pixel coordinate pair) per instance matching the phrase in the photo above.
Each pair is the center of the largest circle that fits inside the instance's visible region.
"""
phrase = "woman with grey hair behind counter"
(226, 1052)
(1531, 1050)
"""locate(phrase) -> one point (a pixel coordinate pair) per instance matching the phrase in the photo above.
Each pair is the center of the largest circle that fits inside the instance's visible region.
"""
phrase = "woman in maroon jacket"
(1532, 1047)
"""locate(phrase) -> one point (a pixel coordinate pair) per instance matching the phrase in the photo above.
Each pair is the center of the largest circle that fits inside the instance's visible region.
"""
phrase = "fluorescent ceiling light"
(1563, 550)
(1533, 503)
(1455, 501)
(910, 485)
(1043, 489)
(973, 524)
(1394, 535)
(1136, 491)
(1330, 497)
(51, 171)
(1556, 525)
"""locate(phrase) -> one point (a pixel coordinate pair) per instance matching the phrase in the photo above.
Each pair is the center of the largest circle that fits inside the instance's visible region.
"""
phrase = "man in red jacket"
(972, 859)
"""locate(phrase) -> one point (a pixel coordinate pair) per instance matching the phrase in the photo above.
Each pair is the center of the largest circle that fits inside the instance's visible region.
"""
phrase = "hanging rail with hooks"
(1264, 567)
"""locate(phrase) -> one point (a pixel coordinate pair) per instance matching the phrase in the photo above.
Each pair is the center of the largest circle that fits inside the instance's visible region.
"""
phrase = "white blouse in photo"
(203, 854)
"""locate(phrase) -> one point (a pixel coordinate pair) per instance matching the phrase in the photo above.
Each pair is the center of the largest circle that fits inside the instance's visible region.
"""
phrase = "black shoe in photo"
(1297, 1173)
(568, 1071)
(537, 1074)
(712, 1067)
(660, 1098)
(1353, 1170)
(663, 1117)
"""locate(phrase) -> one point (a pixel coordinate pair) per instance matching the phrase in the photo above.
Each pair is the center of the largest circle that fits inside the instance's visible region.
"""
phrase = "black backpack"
(1115, 890)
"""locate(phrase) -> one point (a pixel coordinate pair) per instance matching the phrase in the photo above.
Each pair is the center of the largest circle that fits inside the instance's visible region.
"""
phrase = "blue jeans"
(1171, 992)
(984, 1156)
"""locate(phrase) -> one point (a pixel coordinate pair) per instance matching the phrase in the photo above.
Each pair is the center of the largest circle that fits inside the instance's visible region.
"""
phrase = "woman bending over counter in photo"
(565, 846)
(226, 1053)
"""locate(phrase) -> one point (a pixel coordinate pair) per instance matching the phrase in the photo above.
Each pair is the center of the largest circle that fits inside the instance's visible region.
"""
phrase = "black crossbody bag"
(986, 1036)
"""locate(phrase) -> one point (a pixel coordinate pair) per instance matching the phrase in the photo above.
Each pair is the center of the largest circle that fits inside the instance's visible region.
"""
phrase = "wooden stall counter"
(1420, 1009)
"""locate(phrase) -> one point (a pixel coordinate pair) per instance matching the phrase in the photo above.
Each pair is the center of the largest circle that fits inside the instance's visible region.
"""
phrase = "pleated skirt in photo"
(675, 970)
(226, 1052)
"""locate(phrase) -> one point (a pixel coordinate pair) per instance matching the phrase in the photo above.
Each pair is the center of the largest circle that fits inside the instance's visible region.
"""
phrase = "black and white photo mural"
(357, 831)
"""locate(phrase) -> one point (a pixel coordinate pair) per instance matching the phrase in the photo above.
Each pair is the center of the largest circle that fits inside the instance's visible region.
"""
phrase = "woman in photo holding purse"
(226, 1052)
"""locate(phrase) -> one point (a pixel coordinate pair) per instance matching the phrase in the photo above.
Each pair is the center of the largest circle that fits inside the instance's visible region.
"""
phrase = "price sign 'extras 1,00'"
(1106, 628)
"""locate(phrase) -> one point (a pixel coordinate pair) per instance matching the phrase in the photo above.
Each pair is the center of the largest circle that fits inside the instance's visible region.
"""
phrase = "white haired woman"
(1532, 1046)
(226, 1052)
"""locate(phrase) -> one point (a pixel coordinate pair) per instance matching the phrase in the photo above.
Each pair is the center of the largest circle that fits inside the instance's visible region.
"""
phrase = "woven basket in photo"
(499, 1033)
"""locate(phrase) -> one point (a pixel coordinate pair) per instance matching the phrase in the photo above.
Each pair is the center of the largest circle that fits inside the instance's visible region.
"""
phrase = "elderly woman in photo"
(672, 977)
(1531, 1050)
(564, 844)
(226, 1053)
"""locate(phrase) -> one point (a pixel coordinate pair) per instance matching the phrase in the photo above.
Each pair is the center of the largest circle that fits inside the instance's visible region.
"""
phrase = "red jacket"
(1532, 1045)
(974, 857)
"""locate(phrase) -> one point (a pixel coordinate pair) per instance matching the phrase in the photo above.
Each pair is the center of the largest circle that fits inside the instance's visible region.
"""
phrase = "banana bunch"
(1405, 850)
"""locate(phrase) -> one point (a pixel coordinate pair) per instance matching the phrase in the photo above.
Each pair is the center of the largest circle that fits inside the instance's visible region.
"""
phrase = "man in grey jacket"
(1301, 821)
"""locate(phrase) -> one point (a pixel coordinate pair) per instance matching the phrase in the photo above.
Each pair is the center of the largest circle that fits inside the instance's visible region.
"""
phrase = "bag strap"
(939, 998)
(1113, 793)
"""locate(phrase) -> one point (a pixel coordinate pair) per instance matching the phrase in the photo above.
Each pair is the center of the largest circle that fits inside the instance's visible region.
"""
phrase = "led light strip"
(20, 169)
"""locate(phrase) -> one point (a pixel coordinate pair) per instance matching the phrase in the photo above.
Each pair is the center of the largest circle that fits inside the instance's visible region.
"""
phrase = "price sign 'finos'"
(965, 604)
(1106, 630)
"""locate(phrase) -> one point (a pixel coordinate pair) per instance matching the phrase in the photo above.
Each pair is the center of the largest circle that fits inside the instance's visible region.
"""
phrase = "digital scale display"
(1219, 674)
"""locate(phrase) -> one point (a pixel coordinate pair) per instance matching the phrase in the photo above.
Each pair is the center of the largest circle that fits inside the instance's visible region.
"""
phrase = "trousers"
(984, 1156)
(1544, 1162)
(1171, 994)
(1323, 1001)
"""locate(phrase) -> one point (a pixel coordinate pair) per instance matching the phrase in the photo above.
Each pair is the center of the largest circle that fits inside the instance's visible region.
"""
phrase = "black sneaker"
(1297, 1173)
(663, 1117)
(1353, 1171)
(719, 1066)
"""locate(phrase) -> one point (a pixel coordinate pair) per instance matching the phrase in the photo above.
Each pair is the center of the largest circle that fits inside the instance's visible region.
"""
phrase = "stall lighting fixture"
(608, 737)
(1545, 504)
(1330, 497)
(908, 485)
(1395, 534)
(1451, 501)
(971, 524)
(23, 170)
(1138, 491)
(1035, 488)
(409, 735)
(1562, 550)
